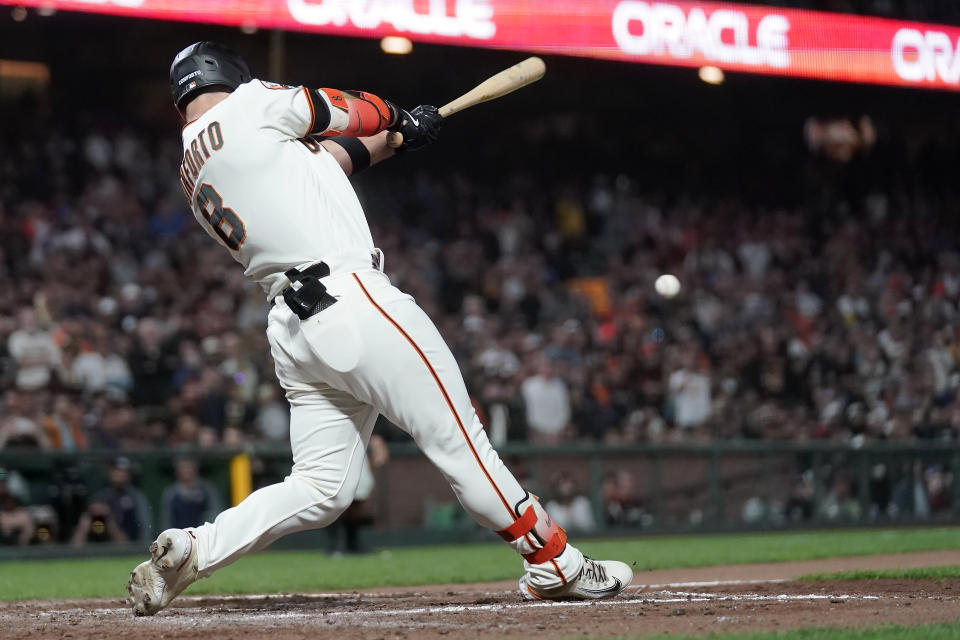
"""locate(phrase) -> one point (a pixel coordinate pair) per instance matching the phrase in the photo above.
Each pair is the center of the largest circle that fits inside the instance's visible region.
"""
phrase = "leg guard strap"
(550, 549)
(536, 533)
(523, 525)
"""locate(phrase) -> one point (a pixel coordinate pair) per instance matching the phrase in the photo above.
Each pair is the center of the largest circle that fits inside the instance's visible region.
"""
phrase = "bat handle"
(394, 139)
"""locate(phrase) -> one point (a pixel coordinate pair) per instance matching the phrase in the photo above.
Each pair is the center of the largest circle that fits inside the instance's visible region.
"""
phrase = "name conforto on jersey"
(195, 155)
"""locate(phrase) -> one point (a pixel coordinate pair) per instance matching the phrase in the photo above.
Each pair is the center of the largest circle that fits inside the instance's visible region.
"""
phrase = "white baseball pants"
(374, 351)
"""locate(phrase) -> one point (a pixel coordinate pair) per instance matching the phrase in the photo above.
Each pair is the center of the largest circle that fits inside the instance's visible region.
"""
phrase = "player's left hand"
(419, 127)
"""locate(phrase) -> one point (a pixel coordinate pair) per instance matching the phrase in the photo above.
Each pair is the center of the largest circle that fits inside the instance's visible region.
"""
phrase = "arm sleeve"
(357, 113)
(297, 112)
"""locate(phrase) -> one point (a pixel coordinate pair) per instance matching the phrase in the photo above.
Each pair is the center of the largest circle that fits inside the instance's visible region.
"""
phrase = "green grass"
(949, 631)
(920, 573)
(301, 571)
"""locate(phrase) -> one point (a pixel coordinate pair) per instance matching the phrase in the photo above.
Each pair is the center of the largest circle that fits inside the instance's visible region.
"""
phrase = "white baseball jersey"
(275, 198)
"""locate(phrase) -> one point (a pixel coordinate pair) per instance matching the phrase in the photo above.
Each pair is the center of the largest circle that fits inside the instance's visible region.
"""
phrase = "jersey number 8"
(218, 216)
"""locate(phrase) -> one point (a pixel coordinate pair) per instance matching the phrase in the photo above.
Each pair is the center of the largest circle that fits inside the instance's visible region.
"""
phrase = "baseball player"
(265, 170)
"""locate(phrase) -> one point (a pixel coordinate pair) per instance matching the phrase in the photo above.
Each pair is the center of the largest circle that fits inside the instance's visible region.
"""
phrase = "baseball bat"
(496, 86)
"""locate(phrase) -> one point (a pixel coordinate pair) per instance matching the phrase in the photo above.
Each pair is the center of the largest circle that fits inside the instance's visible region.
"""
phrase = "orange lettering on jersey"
(311, 143)
(197, 158)
(206, 154)
(196, 154)
(188, 164)
(216, 136)
(186, 183)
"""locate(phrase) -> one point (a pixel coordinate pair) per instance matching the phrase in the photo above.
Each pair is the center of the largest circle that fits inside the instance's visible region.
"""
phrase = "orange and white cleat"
(172, 567)
(597, 580)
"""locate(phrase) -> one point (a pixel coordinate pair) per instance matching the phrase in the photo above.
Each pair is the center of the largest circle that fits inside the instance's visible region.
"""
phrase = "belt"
(317, 270)
(307, 296)
(343, 262)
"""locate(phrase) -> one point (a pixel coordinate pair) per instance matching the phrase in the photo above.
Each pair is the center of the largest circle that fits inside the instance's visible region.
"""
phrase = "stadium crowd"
(123, 326)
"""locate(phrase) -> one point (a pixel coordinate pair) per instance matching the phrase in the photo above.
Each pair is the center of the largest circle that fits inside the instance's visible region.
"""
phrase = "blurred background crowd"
(124, 326)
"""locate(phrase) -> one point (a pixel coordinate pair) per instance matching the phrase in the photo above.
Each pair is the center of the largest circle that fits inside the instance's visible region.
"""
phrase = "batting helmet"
(202, 65)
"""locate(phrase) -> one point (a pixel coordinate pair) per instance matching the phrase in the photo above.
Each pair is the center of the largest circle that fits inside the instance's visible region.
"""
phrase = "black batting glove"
(419, 127)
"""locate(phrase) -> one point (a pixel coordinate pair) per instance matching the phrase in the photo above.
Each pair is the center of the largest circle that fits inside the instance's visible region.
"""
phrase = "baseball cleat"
(598, 579)
(172, 567)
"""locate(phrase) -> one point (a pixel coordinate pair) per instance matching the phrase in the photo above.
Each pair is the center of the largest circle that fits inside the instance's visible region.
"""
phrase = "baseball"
(667, 285)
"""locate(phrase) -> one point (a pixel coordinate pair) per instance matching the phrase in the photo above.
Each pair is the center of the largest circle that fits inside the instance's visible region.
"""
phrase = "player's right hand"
(419, 127)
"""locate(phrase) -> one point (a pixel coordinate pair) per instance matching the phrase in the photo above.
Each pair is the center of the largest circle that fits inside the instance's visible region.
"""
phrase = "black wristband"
(358, 152)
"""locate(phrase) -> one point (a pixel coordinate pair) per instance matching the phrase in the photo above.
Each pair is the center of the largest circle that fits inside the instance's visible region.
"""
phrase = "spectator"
(938, 486)
(273, 418)
(570, 509)
(548, 404)
(621, 505)
(100, 368)
(799, 505)
(18, 428)
(910, 498)
(190, 500)
(151, 364)
(761, 509)
(118, 513)
(839, 503)
(64, 425)
(16, 525)
(689, 391)
(68, 495)
(34, 351)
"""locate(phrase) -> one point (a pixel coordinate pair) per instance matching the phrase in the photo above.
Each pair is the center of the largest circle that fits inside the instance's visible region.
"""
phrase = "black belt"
(317, 269)
(310, 297)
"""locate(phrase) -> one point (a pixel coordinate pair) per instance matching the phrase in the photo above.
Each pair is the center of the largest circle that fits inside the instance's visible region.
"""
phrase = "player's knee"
(328, 500)
(340, 501)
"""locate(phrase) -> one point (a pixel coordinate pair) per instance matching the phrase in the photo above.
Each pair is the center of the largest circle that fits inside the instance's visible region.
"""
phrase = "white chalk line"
(672, 598)
(662, 597)
(338, 595)
(710, 583)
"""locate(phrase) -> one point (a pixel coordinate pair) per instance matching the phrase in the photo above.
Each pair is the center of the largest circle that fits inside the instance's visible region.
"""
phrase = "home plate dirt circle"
(750, 597)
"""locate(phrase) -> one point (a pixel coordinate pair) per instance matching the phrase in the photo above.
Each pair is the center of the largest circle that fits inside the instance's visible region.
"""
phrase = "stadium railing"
(631, 489)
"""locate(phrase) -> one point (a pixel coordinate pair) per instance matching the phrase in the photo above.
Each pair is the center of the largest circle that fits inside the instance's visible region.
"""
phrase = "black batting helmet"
(205, 64)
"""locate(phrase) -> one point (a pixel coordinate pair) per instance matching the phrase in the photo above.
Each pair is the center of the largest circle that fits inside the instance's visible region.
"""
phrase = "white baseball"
(667, 285)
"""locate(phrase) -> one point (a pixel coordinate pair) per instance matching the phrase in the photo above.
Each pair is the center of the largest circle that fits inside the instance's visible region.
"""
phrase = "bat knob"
(394, 139)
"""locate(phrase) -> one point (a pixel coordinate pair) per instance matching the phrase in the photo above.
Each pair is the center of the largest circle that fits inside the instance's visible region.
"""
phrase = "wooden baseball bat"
(519, 75)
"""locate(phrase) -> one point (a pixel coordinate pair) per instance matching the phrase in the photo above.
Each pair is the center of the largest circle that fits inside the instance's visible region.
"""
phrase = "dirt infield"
(697, 601)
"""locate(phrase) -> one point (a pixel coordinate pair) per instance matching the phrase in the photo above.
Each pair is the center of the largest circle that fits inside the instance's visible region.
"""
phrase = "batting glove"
(419, 127)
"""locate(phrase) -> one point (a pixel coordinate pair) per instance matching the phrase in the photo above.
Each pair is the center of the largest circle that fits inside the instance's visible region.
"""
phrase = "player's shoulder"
(266, 88)
(264, 92)
(272, 86)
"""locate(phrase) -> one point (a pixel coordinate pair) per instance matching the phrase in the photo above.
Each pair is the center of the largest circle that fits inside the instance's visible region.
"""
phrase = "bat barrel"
(519, 75)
